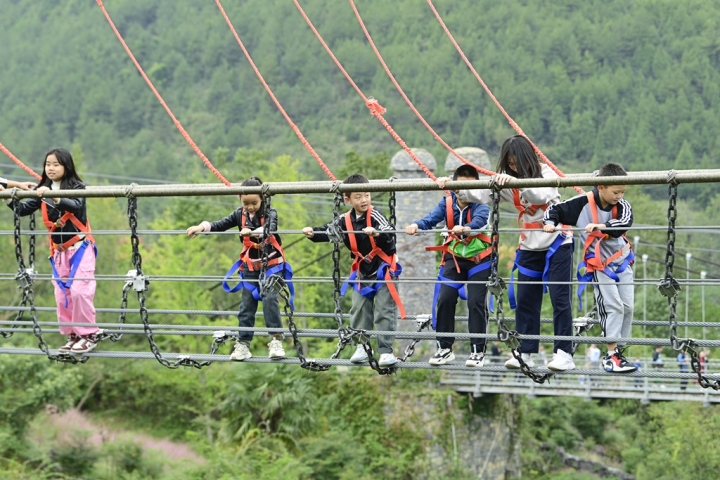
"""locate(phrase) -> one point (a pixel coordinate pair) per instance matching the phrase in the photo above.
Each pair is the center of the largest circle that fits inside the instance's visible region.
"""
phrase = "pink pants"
(80, 307)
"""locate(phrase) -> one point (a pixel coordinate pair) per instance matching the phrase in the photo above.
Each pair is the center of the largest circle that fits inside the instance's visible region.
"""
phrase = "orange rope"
(376, 110)
(512, 122)
(407, 100)
(295, 128)
(179, 126)
(17, 160)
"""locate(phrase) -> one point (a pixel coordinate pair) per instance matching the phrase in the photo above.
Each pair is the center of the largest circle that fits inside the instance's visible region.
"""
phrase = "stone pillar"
(416, 262)
(475, 155)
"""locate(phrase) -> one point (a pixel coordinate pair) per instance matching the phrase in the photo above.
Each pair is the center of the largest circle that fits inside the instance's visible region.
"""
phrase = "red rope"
(376, 110)
(295, 128)
(179, 126)
(512, 122)
(407, 100)
(17, 160)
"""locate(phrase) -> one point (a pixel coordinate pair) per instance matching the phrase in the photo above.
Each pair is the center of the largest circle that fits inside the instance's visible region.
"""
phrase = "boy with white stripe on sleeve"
(608, 257)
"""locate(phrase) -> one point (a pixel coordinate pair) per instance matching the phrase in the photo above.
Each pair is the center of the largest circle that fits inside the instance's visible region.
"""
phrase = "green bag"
(468, 250)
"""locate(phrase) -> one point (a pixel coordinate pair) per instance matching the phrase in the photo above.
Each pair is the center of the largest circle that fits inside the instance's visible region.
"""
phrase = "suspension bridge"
(589, 383)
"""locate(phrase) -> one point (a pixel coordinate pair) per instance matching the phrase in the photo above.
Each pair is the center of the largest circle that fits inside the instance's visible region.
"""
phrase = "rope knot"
(129, 190)
(375, 108)
(13, 193)
(672, 177)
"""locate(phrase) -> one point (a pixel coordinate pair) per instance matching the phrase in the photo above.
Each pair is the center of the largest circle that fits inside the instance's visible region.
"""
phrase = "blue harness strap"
(74, 264)
(460, 287)
(287, 274)
(371, 290)
(589, 276)
(533, 273)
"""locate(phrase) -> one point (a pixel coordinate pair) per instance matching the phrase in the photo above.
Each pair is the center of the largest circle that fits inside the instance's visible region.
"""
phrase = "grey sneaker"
(475, 360)
(240, 353)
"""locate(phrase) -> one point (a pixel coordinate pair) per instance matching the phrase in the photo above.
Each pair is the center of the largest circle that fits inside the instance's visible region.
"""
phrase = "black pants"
(529, 297)
(477, 304)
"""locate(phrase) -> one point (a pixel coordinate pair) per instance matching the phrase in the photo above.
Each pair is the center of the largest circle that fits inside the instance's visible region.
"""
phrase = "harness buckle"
(496, 286)
(139, 283)
(334, 233)
(25, 278)
(60, 224)
(273, 283)
(422, 320)
(669, 287)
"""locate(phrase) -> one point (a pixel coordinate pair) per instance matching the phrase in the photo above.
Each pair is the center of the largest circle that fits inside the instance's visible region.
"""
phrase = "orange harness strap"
(249, 244)
(596, 262)
(375, 252)
(62, 221)
(450, 224)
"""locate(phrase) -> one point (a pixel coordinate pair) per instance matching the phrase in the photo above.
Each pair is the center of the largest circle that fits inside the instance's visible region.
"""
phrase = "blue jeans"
(248, 307)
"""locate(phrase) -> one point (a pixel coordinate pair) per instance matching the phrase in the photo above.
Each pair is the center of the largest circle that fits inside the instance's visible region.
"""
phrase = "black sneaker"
(442, 356)
(615, 362)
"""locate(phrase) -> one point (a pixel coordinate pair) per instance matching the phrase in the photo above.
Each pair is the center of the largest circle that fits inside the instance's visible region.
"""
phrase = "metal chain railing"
(141, 283)
(670, 288)
(276, 283)
(582, 325)
(496, 287)
(25, 279)
(423, 321)
(334, 233)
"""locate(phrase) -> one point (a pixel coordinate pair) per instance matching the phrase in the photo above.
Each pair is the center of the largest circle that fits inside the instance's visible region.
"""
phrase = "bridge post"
(475, 155)
(416, 262)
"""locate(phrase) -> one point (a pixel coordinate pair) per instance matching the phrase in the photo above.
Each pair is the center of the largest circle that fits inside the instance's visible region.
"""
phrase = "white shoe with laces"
(85, 344)
(241, 352)
(387, 360)
(276, 349)
(360, 355)
(514, 364)
(442, 356)
(475, 360)
(562, 361)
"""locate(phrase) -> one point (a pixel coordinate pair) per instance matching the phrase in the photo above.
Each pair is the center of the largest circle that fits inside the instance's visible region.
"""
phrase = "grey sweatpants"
(379, 312)
(615, 304)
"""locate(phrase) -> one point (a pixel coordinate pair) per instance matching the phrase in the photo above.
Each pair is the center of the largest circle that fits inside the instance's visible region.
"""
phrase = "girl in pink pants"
(72, 249)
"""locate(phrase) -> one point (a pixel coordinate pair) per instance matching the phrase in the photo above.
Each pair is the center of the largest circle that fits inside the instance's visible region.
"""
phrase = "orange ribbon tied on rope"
(375, 108)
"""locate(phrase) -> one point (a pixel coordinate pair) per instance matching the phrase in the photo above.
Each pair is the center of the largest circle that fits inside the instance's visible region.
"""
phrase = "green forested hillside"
(590, 81)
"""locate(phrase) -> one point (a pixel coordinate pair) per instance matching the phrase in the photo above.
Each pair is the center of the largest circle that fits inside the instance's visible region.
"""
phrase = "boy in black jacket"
(607, 256)
(373, 253)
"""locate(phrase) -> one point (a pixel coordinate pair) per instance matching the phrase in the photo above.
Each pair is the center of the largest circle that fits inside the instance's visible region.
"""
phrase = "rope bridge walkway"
(489, 379)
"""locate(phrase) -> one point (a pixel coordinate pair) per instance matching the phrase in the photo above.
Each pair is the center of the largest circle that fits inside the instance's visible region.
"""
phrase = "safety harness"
(54, 247)
(275, 265)
(531, 210)
(389, 269)
(592, 260)
(447, 247)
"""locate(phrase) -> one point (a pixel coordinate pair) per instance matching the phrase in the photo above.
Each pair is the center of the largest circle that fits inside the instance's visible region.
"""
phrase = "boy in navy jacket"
(466, 257)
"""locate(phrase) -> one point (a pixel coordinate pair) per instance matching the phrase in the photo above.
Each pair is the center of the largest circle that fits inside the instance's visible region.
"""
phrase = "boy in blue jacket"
(466, 257)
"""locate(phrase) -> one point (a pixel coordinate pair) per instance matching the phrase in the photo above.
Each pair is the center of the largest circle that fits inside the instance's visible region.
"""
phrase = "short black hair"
(466, 171)
(355, 178)
(612, 170)
(252, 182)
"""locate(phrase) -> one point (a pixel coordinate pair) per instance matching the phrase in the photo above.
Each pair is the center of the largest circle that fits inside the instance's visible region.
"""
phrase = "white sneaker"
(562, 361)
(87, 343)
(360, 355)
(514, 364)
(442, 356)
(241, 352)
(276, 349)
(387, 360)
(475, 360)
